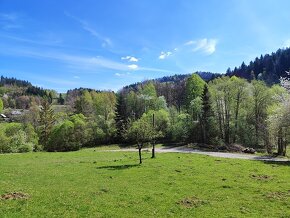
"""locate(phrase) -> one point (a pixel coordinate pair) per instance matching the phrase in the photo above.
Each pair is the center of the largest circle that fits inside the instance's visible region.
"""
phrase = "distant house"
(4, 118)
(16, 112)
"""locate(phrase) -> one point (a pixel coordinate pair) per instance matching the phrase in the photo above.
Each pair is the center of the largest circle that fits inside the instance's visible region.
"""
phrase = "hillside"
(268, 67)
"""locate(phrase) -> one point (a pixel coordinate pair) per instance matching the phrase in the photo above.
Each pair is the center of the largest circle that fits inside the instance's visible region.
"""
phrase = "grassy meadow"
(99, 183)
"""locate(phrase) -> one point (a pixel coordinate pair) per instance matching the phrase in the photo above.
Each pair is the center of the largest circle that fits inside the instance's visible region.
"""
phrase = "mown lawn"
(98, 183)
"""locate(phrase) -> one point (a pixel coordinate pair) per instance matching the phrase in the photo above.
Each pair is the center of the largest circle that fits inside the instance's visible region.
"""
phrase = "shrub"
(16, 137)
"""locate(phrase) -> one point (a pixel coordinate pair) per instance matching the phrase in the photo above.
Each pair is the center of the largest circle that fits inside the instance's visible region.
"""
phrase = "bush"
(4, 143)
(27, 147)
(16, 137)
(69, 135)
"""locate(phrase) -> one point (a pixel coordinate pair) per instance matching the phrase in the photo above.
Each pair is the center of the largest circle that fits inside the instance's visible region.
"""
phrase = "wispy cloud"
(164, 55)
(157, 70)
(122, 74)
(55, 42)
(106, 41)
(83, 63)
(57, 81)
(130, 59)
(9, 21)
(208, 46)
(76, 77)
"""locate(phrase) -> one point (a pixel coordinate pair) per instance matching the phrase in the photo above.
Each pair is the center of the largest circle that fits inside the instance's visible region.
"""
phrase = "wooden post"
(153, 148)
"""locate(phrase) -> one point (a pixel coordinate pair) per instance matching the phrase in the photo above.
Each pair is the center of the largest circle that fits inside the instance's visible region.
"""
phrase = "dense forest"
(246, 106)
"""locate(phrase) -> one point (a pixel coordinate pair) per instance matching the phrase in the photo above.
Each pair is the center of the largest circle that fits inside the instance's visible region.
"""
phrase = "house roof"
(3, 115)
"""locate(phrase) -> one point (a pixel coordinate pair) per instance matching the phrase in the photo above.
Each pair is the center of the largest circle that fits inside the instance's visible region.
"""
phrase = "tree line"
(222, 112)
(199, 108)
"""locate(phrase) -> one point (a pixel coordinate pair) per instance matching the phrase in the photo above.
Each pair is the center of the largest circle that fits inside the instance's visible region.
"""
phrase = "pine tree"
(60, 99)
(47, 120)
(206, 120)
(120, 118)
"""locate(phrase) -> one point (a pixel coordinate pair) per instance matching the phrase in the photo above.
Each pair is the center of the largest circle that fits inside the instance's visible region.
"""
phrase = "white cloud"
(164, 55)
(130, 58)
(133, 66)
(76, 77)
(205, 45)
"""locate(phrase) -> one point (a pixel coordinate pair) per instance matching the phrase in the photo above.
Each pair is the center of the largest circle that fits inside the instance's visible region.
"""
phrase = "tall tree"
(141, 131)
(239, 93)
(261, 99)
(47, 120)
(206, 121)
(222, 96)
(194, 88)
(60, 99)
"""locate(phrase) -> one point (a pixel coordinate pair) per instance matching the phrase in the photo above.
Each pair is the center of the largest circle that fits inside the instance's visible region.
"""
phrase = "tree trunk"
(153, 125)
(153, 149)
(236, 118)
(140, 156)
(267, 141)
(227, 122)
(220, 119)
(281, 144)
(256, 124)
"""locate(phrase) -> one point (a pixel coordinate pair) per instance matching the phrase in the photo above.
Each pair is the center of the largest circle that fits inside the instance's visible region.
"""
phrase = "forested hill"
(13, 81)
(177, 78)
(16, 87)
(268, 68)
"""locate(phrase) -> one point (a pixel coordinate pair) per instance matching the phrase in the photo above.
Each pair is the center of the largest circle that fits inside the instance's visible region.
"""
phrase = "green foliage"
(207, 122)
(180, 128)
(69, 135)
(161, 121)
(17, 137)
(194, 88)
(1, 105)
(4, 142)
(84, 103)
(141, 131)
(60, 99)
(149, 90)
(47, 121)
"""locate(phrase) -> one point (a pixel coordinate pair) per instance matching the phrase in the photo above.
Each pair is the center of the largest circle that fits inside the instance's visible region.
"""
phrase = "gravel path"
(213, 154)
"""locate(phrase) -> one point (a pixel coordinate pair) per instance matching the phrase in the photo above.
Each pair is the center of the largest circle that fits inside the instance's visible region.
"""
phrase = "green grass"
(97, 183)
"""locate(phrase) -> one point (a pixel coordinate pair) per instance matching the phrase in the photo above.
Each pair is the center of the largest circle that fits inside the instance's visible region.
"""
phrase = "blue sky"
(106, 44)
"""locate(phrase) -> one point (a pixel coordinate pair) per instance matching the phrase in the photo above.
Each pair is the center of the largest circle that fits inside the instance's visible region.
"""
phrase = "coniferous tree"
(47, 120)
(206, 121)
(60, 99)
(120, 118)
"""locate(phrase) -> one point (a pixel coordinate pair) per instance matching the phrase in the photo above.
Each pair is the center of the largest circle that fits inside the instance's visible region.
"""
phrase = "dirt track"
(213, 154)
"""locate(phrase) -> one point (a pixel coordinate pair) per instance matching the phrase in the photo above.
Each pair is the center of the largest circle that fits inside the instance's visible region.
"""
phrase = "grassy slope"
(92, 183)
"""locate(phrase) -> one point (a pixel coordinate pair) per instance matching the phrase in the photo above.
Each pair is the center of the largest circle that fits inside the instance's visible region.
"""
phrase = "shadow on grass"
(173, 145)
(278, 163)
(119, 167)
